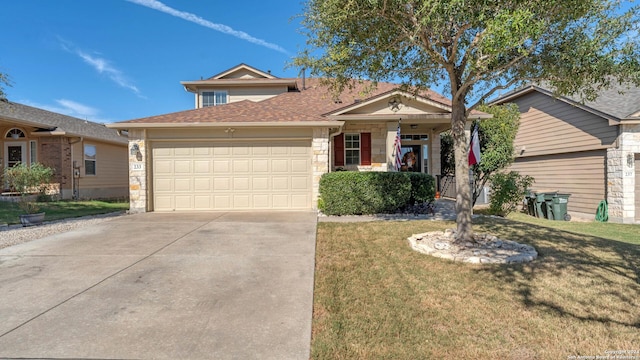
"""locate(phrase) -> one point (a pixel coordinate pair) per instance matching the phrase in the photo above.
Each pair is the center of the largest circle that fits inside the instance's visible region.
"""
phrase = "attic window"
(15, 134)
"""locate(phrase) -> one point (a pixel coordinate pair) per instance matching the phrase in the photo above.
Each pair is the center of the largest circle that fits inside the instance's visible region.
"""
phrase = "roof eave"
(327, 124)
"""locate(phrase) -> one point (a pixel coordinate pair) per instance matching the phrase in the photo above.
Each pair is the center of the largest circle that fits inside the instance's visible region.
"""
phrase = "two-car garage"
(231, 175)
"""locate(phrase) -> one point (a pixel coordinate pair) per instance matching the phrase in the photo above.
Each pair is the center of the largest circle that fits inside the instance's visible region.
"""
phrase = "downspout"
(73, 169)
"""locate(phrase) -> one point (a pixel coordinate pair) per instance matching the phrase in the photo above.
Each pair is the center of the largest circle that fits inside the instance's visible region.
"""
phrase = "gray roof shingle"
(53, 121)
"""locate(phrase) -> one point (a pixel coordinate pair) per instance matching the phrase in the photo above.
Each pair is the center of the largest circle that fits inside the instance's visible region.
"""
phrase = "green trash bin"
(559, 207)
(540, 205)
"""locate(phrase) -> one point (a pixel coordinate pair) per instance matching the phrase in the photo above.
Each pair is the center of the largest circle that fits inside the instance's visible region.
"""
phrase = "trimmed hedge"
(360, 193)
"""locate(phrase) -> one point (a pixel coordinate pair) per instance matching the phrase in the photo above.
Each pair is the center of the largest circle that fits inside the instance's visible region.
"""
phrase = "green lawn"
(375, 298)
(9, 212)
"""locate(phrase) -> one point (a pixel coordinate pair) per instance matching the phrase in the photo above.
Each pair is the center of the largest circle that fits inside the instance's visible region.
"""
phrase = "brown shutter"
(365, 149)
(338, 150)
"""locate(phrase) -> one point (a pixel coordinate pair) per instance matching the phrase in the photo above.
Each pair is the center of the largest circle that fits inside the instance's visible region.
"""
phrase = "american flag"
(398, 150)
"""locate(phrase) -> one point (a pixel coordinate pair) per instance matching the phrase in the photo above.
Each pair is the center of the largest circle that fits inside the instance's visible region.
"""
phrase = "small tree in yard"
(475, 48)
(508, 191)
(28, 180)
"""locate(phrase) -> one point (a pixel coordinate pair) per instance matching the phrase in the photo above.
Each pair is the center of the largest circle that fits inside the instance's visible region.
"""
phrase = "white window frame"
(33, 151)
(95, 159)
(352, 149)
(215, 97)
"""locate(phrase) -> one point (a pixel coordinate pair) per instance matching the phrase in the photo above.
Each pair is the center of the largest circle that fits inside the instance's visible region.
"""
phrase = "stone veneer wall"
(138, 172)
(378, 144)
(320, 161)
(621, 179)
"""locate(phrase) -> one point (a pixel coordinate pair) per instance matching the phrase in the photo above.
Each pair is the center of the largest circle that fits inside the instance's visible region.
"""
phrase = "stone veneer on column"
(320, 160)
(137, 173)
(621, 179)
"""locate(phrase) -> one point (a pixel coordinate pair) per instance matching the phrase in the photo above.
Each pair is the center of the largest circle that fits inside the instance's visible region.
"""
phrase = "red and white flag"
(398, 150)
(474, 148)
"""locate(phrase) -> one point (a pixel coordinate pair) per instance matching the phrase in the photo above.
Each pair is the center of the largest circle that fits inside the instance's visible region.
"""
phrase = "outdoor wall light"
(630, 161)
(135, 149)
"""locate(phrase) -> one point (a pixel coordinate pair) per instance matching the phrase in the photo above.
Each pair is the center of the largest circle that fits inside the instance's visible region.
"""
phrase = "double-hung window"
(89, 159)
(352, 149)
(213, 98)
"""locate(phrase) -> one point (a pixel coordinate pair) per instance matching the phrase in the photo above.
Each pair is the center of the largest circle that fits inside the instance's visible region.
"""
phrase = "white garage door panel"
(240, 176)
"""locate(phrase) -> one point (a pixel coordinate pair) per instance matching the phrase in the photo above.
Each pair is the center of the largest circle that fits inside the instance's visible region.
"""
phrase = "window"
(352, 149)
(89, 159)
(33, 151)
(213, 98)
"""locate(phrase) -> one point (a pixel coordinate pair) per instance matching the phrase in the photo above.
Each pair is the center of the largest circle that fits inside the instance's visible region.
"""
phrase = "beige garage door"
(231, 176)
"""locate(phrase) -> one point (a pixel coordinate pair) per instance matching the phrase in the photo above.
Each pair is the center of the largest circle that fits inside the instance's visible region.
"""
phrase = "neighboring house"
(590, 150)
(90, 161)
(256, 141)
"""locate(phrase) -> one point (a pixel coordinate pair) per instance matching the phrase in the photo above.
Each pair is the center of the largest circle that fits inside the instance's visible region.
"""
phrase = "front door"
(411, 160)
(14, 153)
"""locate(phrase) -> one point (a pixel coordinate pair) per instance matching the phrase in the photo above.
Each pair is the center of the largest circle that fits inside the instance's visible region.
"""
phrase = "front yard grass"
(9, 211)
(375, 298)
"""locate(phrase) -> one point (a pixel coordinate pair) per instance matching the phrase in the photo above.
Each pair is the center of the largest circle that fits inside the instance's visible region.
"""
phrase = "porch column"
(435, 168)
(392, 128)
(320, 161)
(138, 165)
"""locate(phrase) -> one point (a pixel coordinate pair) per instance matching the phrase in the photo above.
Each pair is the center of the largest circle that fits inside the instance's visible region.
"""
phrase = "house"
(256, 141)
(89, 159)
(590, 150)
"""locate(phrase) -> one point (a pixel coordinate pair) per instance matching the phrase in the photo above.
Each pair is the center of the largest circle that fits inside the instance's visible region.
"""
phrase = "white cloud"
(70, 108)
(157, 5)
(101, 65)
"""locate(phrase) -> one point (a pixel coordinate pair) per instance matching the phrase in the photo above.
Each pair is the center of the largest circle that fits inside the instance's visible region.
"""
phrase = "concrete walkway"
(163, 286)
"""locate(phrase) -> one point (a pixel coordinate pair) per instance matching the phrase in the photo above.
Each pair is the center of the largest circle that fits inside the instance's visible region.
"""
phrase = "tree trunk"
(463, 194)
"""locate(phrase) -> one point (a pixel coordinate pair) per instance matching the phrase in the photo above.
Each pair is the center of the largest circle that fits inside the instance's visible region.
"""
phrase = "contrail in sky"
(101, 65)
(157, 5)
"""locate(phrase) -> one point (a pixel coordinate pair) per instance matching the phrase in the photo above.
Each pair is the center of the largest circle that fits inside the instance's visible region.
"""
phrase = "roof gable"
(57, 123)
(395, 102)
(242, 71)
(617, 103)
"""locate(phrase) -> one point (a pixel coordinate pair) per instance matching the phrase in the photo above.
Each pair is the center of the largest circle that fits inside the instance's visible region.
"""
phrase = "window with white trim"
(213, 98)
(352, 149)
(33, 151)
(89, 159)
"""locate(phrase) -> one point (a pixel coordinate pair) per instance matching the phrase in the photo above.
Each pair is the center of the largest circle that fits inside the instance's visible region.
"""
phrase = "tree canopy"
(4, 79)
(476, 48)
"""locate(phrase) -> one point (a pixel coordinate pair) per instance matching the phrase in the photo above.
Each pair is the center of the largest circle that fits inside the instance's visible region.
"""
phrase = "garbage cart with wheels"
(559, 207)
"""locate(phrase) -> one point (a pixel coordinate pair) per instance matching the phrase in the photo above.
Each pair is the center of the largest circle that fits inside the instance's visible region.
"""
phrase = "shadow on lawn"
(579, 276)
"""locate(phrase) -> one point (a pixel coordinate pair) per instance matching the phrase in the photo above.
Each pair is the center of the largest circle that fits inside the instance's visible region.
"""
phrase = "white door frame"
(22, 144)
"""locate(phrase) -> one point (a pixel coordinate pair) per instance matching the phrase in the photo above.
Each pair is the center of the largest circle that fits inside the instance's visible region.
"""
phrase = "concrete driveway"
(163, 286)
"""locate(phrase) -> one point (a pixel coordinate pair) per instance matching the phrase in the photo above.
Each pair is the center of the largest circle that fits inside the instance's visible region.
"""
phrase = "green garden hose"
(602, 214)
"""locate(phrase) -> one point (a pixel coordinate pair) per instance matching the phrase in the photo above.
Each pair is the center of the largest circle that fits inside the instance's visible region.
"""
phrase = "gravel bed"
(17, 234)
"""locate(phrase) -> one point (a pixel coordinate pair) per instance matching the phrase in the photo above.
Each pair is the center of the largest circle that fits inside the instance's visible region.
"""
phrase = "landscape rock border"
(487, 249)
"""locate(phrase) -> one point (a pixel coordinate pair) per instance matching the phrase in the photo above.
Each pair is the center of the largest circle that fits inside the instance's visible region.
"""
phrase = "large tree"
(496, 136)
(476, 48)
(4, 79)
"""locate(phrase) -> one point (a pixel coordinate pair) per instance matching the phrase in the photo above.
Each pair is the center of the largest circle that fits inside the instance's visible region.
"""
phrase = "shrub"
(508, 191)
(27, 180)
(357, 193)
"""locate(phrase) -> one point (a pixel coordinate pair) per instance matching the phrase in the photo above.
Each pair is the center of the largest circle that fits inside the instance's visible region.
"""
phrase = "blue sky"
(115, 60)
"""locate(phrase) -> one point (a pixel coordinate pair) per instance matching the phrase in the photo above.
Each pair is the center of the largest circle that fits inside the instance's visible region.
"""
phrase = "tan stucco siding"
(254, 94)
(581, 174)
(549, 126)
(236, 94)
(409, 106)
(112, 171)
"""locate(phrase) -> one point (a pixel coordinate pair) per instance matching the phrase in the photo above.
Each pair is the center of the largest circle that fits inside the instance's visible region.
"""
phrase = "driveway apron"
(232, 285)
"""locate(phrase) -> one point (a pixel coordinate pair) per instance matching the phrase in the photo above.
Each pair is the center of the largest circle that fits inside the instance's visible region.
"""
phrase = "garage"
(231, 175)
